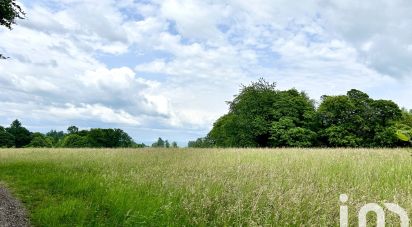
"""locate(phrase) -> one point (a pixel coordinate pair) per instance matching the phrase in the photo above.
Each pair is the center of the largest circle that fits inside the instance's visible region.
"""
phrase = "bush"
(75, 141)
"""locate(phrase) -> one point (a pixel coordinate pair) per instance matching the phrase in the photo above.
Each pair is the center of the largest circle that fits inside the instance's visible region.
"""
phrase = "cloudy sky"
(166, 67)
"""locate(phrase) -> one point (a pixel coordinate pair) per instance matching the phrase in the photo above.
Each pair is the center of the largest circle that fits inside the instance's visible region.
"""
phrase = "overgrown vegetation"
(262, 116)
(226, 187)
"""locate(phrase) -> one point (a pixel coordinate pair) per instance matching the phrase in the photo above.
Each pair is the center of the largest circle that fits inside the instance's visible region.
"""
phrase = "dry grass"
(155, 187)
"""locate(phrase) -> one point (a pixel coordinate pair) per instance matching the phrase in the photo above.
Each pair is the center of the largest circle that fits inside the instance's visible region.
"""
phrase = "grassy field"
(155, 187)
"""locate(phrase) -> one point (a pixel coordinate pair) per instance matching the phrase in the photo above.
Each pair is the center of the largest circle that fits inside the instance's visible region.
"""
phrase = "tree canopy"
(262, 116)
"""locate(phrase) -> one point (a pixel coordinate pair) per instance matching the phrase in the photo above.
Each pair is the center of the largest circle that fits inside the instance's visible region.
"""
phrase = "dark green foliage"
(174, 145)
(6, 139)
(386, 137)
(251, 114)
(138, 145)
(355, 120)
(56, 137)
(285, 133)
(9, 12)
(18, 136)
(339, 136)
(201, 143)
(75, 141)
(21, 135)
(39, 140)
(72, 129)
(109, 138)
(159, 143)
(254, 114)
(406, 118)
(261, 116)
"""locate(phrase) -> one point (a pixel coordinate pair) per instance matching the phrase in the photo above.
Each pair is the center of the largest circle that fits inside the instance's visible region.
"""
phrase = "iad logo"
(372, 207)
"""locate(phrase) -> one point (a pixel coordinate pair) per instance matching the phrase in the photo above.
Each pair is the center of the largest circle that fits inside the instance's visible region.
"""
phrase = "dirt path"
(12, 213)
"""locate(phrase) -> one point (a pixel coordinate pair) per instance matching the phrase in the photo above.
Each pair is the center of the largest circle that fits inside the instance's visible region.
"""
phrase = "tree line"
(262, 116)
(18, 136)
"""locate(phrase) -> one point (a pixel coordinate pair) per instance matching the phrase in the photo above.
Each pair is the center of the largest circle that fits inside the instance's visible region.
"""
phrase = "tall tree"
(355, 120)
(21, 135)
(6, 139)
(72, 129)
(159, 143)
(253, 112)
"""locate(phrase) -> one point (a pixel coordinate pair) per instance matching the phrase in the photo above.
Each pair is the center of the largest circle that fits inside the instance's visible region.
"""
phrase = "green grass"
(186, 187)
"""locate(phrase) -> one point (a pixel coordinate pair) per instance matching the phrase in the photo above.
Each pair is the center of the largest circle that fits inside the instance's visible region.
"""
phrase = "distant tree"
(21, 135)
(6, 139)
(39, 140)
(75, 141)
(98, 137)
(167, 144)
(159, 143)
(55, 136)
(205, 142)
(72, 130)
(123, 139)
(138, 145)
(9, 12)
(174, 145)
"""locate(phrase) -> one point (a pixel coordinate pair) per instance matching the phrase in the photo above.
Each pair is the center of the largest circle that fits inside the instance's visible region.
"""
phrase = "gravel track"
(12, 213)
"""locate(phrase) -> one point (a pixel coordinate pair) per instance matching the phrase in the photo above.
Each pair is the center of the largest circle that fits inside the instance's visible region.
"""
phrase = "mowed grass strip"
(186, 187)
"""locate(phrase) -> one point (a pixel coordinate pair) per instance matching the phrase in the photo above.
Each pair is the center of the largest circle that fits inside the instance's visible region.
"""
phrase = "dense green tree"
(201, 143)
(109, 138)
(72, 129)
(253, 112)
(138, 145)
(123, 139)
(6, 139)
(406, 118)
(261, 116)
(386, 137)
(56, 137)
(159, 143)
(40, 140)
(355, 120)
(226, 132)
(174, 145)
(285, 133)
(75, 141)
(21, 135)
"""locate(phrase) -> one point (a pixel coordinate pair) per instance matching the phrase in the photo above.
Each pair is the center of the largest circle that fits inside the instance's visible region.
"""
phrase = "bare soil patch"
(12, 213)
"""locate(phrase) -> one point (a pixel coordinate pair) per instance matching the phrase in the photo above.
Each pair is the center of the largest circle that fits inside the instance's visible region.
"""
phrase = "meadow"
(204, 187)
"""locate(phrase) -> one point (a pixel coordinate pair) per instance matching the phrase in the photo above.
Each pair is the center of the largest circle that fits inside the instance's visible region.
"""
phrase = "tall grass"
(185, 187)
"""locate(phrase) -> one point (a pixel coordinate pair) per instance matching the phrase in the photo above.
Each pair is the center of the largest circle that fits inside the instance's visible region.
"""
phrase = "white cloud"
(170, 65)
(96, 111)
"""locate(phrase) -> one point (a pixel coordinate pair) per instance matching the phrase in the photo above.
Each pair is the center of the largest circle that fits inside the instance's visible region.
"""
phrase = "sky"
(164, 68)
